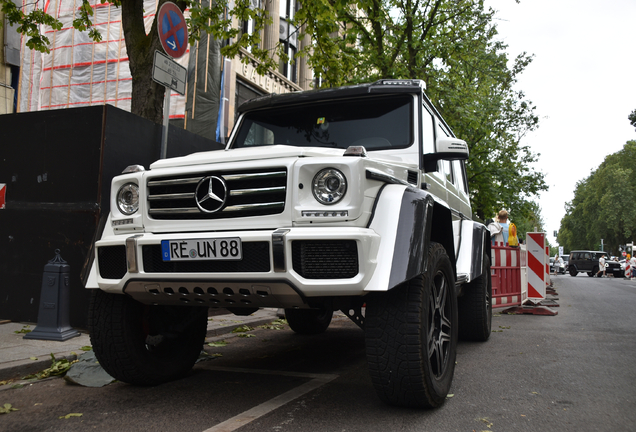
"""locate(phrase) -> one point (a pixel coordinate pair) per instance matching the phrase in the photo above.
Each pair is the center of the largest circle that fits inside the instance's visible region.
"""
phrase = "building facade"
(9, 66)
(80, 72)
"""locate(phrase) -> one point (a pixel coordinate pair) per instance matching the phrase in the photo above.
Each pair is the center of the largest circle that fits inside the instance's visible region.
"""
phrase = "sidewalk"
(17, 354)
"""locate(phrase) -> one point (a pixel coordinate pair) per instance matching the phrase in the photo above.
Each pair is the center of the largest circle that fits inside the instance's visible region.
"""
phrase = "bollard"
(53, 316)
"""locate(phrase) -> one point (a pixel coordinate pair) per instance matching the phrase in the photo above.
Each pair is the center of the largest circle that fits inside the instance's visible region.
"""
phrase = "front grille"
(325, 259)
(112, 261)
(255, 259)
(249, 193)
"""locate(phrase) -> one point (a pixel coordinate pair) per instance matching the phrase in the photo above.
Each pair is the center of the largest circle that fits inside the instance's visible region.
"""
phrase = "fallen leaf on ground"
(6, 409)
(220, 343)
(68, 416)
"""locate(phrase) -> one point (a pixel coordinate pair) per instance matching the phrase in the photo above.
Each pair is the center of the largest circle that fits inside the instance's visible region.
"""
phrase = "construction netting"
(79, 72)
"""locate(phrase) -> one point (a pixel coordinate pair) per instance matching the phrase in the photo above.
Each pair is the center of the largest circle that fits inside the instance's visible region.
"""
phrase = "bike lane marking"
(231, 424)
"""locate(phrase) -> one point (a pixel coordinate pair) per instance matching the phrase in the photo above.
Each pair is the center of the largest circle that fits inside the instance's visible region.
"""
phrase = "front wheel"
(475, 307)
(573, 272)
(145, 345)
(411, 336)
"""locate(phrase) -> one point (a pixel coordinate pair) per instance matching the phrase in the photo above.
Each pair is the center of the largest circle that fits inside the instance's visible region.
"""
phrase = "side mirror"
(448, 148)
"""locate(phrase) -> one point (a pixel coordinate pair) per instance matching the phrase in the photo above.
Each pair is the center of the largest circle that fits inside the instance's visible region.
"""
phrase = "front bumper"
(279, 268)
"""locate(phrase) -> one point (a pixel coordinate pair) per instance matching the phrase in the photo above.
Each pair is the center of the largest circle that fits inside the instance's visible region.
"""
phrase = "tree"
(632, 118)
(604, 205)
(147, 96)
(451, 45)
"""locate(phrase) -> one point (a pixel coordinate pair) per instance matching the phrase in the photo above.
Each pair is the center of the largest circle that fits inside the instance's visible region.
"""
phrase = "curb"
(18, 368)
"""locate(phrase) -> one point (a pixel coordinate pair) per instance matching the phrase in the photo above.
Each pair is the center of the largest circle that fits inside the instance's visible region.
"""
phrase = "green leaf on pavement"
(24, 329)
(68, 416)
(7, 408)
(220, 343)
(242, 329)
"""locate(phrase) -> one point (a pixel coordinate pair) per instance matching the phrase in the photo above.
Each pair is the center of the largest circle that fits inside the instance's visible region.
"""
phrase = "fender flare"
(406, 234)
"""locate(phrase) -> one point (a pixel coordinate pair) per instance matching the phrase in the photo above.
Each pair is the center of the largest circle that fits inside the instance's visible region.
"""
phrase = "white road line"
(317, 380)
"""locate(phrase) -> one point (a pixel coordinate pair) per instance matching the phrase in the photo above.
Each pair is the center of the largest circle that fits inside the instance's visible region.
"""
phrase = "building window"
(288, 39)
(244, 92)
(247, 26)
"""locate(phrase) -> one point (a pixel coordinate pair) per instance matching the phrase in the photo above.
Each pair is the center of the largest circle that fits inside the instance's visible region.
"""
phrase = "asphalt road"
(571, 372)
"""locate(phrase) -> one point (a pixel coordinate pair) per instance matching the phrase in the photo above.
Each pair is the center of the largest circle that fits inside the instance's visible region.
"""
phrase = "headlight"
(128, 198)
(329, 186)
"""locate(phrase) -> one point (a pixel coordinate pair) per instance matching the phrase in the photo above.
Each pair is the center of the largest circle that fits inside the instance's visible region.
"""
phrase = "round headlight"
(329, 186)
(128, 198)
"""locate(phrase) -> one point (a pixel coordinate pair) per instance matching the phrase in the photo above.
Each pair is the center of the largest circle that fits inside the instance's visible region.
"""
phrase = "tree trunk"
(147, 95)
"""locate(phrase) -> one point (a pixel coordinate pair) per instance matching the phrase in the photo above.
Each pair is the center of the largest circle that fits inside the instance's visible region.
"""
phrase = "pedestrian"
(632, 264)
(601, 266)
(557, 263)
(495, 230)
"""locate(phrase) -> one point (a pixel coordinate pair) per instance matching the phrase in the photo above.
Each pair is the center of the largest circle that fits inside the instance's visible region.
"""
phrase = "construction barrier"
(505, 271)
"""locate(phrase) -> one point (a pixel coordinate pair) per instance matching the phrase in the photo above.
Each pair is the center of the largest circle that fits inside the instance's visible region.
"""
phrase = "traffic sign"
(169, 73)
(173, 30)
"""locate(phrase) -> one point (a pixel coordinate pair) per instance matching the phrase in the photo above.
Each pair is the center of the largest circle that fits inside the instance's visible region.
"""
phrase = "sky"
(582, 81)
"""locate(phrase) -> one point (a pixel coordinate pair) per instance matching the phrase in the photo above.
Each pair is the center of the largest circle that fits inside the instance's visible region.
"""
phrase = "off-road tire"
(309, 321)
(573, 272)
(119, 330)
(475, 307)
(411, 336)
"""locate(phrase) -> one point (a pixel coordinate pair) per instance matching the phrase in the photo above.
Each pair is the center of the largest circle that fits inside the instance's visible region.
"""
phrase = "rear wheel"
(145, 345)
(475, 307)
(411, 336)
(309, 321)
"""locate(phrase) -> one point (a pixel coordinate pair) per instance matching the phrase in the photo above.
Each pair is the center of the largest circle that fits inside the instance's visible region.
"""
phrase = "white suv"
(351, 199)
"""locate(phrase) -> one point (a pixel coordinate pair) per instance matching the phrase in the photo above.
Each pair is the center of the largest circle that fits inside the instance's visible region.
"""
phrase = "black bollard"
(53, 316)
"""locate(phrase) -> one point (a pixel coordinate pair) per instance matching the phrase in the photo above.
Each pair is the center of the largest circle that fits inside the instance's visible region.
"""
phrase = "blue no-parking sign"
(173, 30)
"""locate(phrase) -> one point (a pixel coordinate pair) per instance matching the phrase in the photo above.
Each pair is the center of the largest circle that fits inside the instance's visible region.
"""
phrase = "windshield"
(377, 123)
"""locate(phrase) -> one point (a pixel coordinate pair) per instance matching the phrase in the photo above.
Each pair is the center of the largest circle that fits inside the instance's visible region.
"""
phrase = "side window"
(460, 176)
(444, 167)
(448, 170)
(427, 126)
(586, 255)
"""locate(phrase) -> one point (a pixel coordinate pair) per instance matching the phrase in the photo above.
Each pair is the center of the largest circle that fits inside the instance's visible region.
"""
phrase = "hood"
(246, 154)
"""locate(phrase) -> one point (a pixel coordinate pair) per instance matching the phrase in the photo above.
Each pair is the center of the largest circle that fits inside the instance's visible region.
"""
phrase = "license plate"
(228, 249)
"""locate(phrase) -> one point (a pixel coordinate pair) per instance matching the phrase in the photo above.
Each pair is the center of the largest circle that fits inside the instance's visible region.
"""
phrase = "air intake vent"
(413, 177)
(112, 261)
(235, 194)
(325, 259)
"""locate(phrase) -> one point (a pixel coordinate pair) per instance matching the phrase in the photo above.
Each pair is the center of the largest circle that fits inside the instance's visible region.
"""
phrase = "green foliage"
(527, 218)
(604, 206)
(451, 45)
(58, 368)
(632, 118)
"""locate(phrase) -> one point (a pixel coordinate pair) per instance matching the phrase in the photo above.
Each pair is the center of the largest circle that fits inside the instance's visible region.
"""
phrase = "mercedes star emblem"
(211, 194)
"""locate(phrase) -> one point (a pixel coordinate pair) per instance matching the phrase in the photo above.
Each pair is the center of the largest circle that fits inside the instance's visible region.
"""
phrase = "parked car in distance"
(566, 260)
(588, 262)
(561, 266)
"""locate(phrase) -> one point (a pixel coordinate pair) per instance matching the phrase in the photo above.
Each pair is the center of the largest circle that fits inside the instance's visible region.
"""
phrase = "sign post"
(173, 34)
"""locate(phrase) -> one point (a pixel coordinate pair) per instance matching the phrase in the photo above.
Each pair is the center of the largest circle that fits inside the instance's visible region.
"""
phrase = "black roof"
(379, 87)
